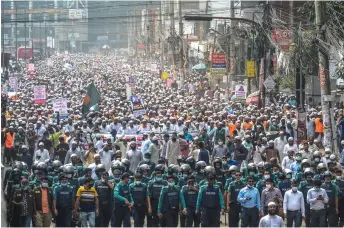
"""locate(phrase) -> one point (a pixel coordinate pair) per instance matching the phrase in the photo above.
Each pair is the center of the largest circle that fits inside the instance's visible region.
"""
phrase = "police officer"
(185, 172)
(63, 200)
(284, 184)
(104, 189)
(219, 172)
(126, 165)
(147, 160)
(145, 172)
(88, 174)
(116, 170)
(191, 162)
(332, 205)
(231, 175)
(340, 183)
(233, 206)
(138, 194)
(304, 186)
(53, 171)
(168, 207)
(200, 166)
(122, 207)
(210, 202)
(188, 197)
(153, 193)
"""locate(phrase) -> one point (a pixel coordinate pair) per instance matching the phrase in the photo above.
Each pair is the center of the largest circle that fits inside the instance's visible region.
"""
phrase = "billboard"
(78, 14)
(218, 63)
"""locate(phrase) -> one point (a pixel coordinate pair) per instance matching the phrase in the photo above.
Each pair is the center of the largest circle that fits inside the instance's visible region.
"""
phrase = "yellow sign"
(251, 68)
(164, 75)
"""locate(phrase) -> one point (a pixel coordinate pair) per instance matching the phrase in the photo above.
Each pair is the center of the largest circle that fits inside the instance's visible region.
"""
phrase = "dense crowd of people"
(193, 156)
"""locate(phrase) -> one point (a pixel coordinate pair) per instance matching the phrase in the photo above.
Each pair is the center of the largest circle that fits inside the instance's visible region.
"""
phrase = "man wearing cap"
(296, 165)
(44, 204)
(134, 156)
(106, 154)
(122, 207)
(317, 198)
(173, 149)
(39, 130)
(63, 199)
(271, 152)
(279, 144)
(272, 219)
(290, 146)
(74, 150)
(41, 154)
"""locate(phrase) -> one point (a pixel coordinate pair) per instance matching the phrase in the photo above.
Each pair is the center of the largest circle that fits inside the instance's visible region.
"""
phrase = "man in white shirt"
(294, 206)
(271, 220)
(280, 142)
(288, 160)
(290, 146)
(41, 154)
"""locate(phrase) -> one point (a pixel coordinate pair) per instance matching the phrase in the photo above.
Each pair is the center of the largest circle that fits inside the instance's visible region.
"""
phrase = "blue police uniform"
(284, 186)
(153, 191)
(64, 196)
(138, 196)
(188, 199)
(340, 185)
(331, 216)
(304, 186)
(169, 205)
(181, 182)
(105, 203)
(235, 207)
(121, 211)
(209, 203)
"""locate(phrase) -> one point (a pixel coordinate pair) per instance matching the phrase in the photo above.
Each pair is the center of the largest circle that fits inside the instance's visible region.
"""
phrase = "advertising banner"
(60, 105)
(39, 94)
(137, 106)
(218, 63)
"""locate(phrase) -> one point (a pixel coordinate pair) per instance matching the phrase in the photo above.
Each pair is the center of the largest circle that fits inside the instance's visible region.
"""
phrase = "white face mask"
(268, 186)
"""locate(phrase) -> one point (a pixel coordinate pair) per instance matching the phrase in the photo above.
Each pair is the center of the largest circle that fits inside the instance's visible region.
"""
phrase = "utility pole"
(181, 36)
(40, 38)
(45, 34)
(25, 39)
(231, 48)
(325, 83)
(173, 44)
(161, 36)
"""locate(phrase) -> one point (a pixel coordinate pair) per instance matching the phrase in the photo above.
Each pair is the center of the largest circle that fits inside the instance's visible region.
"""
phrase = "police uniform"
(121, 213)
(188, 199)
(331, 216)
(199, 177)
(234, 205)
(153, 192)
(220, 176)
(284, 186)
(105, 203)
(138, 194)
(169, 205)
(64, 196)
(304, 186)
(340, 185)
(209, 203)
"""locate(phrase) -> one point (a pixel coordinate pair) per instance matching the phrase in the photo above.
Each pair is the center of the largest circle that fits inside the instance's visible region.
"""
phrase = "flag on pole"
(92, 98)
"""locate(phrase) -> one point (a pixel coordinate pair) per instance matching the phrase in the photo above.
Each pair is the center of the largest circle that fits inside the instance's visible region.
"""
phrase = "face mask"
(137, 182)
(288, 176)
(316, 159)
(117, 179)
(64, 183)
(103, 180)
(224, 162)
(266, 177)
(249, 186)
(158, 179)
(268, 186)
(146, 159)
(44, 185)
(338, 177)
(220, 143)
(294, 189)
(69, 175)
(317, 189)
(171, 184)
(202, 171)
(298, 158)
(185, 175)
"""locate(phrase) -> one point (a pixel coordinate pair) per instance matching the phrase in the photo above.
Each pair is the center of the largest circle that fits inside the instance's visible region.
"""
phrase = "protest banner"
(30, 67)
(154, 68)
(137, 106)
(13, 84)
(240, 91)
(39, 94)
(60, 105)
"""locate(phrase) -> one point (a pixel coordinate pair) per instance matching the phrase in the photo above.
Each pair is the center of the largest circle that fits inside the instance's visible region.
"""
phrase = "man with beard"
(240, 152)
(74, 150)
(134, 156)
(61, 150)
(173, 149)
(271, 220)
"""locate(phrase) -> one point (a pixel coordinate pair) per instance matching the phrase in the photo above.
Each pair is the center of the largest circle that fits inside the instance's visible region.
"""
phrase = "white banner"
(240, 91)
(60, 105)
(39, 94)
(13, 84)
(154, 68)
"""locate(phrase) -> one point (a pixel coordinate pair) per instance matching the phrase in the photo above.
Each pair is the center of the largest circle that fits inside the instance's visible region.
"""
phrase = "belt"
(294, 210)
(139, 205)
(318, 209)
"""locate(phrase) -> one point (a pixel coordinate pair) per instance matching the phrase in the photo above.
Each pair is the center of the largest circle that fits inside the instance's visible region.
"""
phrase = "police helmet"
(16, 172)
(125, 162)
(209, 170)
(180, 160)
(100, 168)
(170, 169)
(333, 157)
(260, 165)
(267, 166)
(327, 174)
(217, 161)
(42, 166)
(185, 168)
(25, 167)
(200, 165)
(176, 169)
(331, 165)
(18, 165)
(321, 166)
(304, 163)
(233, 168)
(316, 154)
(147, 155)
(116, 165)
(308, 171)
(191, 162)
(68, 169)
(57, 164)
(160, 168)
(251, 167)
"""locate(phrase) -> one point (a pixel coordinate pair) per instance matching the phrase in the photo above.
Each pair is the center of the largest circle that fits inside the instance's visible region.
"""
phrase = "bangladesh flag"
(92, 97)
